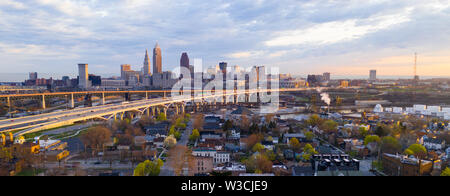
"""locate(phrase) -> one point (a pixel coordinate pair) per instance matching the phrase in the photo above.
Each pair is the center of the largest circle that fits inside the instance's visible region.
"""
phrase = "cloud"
(299, 36)
(338, 31)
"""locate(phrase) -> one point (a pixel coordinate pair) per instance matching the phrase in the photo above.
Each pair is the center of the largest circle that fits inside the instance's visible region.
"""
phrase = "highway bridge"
(153, 106)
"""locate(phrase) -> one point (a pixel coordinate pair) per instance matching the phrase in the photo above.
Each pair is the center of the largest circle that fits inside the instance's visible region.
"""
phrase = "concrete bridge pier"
(72, 101)
(43, 102)
(183, 108)
(146, 95)
(153, 111)
(165, 111)
(102, 101)
(8, 102)
(121, 115)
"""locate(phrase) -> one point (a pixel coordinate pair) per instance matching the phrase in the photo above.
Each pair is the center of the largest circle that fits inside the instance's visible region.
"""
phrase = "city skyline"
(377, 35)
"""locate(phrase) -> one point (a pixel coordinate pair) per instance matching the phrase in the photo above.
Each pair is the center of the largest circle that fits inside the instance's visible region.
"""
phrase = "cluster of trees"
(258, 163)
(194, 136)
(148, 168)
(446, 172)
(96, 137)
(308, 152)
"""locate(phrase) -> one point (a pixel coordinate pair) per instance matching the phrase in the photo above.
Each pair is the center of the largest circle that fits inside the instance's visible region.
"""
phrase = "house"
(212, 119)
(218, 156)
(143, 140)
(234, 134)
(300, 136)
(433, 143)
(212, 127)
(158, 142)
(158, 130)
(399, 165)
(268, 145)
(201, 166)
(234, 168)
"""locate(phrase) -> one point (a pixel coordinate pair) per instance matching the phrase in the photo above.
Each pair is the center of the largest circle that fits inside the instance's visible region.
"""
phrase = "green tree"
(371, 139)
(390, 145)
(446, 172)
(195, 135)
(363, 132)
(309, 149)
(314, 120)
(161, 117)
(148, 168)
(417, 150)
(258, 147)
(330, 126)
(309, 135)
(294, 143)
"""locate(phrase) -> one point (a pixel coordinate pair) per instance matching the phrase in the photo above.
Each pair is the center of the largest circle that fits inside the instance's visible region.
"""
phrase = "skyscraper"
(157, 59)
(373, 75)
(147, 71)
(184, 61)
(123, 69)
(33, 76)
(223, 67)
(83, 81)
(327, 76)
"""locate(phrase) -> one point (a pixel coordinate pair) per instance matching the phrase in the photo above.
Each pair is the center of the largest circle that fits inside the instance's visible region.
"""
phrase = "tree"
(179, 158)
(258, 147)
(254, 139)
(390, 145)
(269, 118)
(382, 130)
(245, 123)
(294, 143)
(228, 125)
(161, 117)
(309, 135)
(371, 139)
(195, 135)
(258, 163)
(198, 122)
(309, 149)
(148, 168)
(446, 172)
(314, 120)
(363, 132)
(96, 137)
(329, 126)
(417, 150)
(170, 141)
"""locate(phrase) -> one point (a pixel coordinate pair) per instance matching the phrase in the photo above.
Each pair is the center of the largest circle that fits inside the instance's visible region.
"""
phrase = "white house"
(218, 156)
(433, 144)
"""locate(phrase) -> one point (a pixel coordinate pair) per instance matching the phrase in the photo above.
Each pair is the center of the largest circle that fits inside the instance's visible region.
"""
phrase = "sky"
(298, 36)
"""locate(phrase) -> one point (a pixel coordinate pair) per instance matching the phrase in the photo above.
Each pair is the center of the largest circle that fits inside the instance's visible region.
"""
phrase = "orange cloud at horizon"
(399, 66)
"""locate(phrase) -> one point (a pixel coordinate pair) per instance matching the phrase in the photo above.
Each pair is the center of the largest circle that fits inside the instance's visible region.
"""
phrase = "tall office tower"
(147, 71)
(373, 75)
(327, 76)
(33, 76)
(83, 74)
(184, 61)
(124, 68)
(157, 59)
(223, 67)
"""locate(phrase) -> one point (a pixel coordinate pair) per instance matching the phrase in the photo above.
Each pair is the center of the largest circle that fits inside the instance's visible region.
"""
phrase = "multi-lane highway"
(35, 123)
